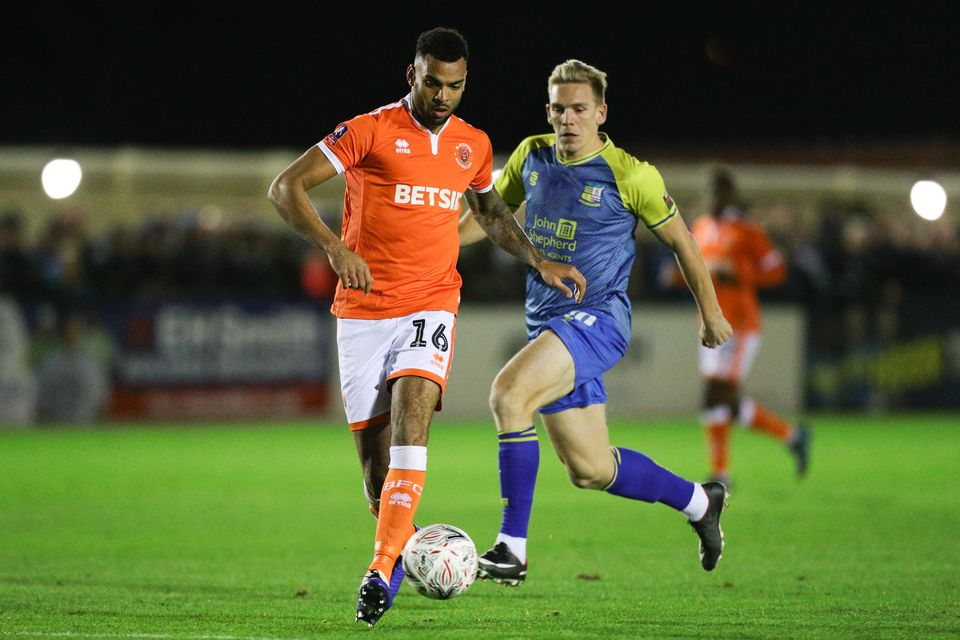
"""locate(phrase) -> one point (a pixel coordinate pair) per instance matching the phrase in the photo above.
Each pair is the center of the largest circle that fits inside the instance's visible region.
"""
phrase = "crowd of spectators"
(862, 276)
(188, 254)
(854, 271)
(54, 287)
(845, 258)
(868, 281)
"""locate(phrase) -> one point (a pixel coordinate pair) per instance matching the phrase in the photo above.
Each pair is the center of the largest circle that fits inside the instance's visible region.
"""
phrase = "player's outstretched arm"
(288, 193)
(471, 231)
(497, 221)
(714, 328)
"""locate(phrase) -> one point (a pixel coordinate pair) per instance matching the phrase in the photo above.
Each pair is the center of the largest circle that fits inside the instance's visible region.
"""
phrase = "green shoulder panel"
(509, 183)
(641, 188)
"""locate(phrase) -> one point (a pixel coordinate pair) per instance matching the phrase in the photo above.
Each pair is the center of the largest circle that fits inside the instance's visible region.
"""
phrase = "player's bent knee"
(586, 478)
(508, 399)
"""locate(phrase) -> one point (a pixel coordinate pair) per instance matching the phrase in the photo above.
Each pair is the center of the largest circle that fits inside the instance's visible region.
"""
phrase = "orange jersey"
(730, 242)
(401, 207)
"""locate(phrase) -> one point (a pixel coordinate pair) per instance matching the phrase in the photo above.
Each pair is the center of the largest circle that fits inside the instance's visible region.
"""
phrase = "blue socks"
(636, 477)
(519, 461)
(640, 478)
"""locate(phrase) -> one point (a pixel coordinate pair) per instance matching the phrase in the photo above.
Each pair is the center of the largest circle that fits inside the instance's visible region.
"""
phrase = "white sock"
(408, 457)
(517, 546)
(697, 508)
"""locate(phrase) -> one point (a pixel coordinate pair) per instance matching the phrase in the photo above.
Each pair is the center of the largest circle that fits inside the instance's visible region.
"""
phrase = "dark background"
(283, 74)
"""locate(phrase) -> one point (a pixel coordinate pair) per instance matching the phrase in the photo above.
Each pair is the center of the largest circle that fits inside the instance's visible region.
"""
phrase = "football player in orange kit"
(407, 166)
(741, 260)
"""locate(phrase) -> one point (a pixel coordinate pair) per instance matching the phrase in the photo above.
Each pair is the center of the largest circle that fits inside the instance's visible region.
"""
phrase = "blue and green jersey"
(583, 212)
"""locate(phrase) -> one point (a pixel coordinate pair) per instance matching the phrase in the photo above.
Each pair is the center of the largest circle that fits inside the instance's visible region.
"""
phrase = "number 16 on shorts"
(373, 352)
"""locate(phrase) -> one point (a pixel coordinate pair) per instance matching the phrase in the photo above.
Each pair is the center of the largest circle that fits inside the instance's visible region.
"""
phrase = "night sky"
(283, 74)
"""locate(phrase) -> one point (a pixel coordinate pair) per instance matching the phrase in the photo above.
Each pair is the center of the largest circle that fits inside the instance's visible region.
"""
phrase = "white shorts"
(732, 360)
(375, 352)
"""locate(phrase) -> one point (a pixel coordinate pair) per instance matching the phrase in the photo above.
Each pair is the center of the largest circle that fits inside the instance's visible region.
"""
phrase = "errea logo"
(402, 146)
(402, 499)
(401, 490)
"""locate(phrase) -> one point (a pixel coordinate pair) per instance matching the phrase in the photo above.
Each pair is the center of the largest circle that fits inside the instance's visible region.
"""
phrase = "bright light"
(61, 178)
(928, 199)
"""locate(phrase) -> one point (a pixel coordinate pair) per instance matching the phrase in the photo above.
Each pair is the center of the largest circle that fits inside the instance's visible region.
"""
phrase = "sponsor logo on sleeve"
(667, 200)
(338, 133)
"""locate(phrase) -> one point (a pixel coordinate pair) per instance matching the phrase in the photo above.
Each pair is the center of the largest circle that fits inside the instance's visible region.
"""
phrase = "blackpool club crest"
(463, 154)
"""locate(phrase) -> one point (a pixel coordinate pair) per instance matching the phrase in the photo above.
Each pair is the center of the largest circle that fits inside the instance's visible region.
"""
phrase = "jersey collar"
(434, 137)
(607, 142)
(407, 101)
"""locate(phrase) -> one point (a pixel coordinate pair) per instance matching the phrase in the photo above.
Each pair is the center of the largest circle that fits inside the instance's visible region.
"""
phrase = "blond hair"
(575, 71)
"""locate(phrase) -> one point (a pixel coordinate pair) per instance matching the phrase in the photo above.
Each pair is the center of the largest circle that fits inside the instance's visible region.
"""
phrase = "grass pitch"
(261, 531)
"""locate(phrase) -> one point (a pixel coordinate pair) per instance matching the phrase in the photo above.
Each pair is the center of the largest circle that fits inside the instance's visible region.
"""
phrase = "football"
(440, 561)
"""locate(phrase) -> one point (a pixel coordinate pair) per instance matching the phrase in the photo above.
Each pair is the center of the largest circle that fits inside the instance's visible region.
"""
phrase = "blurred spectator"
(317, 277)
(17, 385)
(60, 259)
(113, 264)
(73, 382)
(17, 269)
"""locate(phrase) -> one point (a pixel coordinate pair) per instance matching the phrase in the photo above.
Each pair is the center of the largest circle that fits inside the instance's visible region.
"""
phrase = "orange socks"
(398, 504)
(759, 418)
(718, 435)
(716, 421)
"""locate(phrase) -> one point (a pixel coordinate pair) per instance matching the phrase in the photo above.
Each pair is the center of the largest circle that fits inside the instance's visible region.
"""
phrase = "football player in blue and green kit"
(581, 199)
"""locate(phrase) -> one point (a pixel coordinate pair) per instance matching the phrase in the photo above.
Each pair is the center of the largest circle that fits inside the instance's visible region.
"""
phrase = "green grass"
(262, 531)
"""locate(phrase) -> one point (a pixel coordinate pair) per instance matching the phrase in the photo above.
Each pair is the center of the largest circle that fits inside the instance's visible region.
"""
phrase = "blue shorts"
(596, 344)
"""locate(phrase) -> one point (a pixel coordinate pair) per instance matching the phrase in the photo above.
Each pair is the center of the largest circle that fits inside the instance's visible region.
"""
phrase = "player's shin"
(758, 418)
(519, 460)
(716, 423)
(401, 494)
(638, 477)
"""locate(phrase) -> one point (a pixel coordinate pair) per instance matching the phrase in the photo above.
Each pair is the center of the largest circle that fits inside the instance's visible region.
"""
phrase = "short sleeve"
(510, 181)
(348, 144)
(656, 207)
(767, 256)
(642, 190)
(483, 179)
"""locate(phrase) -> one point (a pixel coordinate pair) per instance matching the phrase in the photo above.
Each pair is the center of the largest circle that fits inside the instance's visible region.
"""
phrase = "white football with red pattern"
(440, 561)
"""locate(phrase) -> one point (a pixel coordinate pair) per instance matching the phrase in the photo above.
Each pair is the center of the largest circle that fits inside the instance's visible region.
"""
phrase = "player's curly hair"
(443, 43)
(575, 71)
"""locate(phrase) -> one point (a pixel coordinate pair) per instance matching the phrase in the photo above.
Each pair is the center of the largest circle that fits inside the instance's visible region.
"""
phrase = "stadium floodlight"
(928, 199)
(61, 177)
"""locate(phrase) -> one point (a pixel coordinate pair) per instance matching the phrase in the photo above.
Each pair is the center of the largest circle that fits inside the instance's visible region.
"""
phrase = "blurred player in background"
(407, 165)
(582, 201)
(741, 260)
